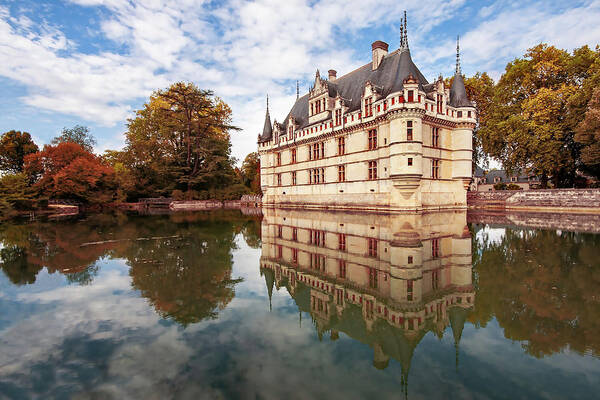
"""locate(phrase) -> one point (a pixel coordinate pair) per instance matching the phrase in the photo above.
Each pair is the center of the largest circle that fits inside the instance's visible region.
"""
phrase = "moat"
(298, 305)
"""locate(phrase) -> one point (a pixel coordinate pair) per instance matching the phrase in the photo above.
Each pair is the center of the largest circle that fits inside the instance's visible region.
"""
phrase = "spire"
(297, 90)
(458, 92)
(457, 55)
(267, 128)
(401, 34)
(405, 33)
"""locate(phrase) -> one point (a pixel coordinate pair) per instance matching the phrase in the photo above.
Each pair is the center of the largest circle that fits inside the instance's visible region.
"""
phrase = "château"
(380, 138)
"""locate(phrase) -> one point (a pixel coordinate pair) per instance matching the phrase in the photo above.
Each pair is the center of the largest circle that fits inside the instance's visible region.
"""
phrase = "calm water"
(297, 305)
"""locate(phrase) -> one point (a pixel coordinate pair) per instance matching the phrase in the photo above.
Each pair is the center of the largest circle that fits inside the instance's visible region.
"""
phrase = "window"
(372, 170)
(435, 248)
(410, 161)
(410, 96)
(440, 102)
(435, 279)
(409, 131)
(295, 256)
(293, 156)
(312, 109)
(342, 268)
(338, 117)
(368, 107)
(459, 114)
(278, 158)
(341, 146)
(322, 149)
(279, 231)
(317, 237)
(469, 114)
(513, 178)
(410, 259)
(342, 241)
(372, 247)
(317, 175)
(294, 178)
(435, 137)
(373, 278)
(409, 290)
(435, 169)
(341, 173)
(372, 139)
(295, 234)
(278, 179)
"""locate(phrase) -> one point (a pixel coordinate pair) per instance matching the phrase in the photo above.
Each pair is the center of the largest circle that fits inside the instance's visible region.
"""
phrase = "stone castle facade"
(379, 138)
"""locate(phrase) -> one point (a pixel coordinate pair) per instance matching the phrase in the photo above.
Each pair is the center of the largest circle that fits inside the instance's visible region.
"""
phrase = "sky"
(94, 62)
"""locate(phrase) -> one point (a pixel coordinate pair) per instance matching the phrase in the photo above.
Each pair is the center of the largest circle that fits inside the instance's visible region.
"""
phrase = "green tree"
(537, 106)
(78, 134)
(588, 135)
(16, 194)
(251, 172)
(14, 146)
(180, 141)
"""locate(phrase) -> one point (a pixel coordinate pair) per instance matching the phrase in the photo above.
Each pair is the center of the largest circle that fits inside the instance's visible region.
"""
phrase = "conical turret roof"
(267, 132)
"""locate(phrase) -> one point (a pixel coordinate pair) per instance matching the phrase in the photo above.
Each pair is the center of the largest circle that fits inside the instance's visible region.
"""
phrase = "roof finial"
(405, 32)
(401, 34)
(457, 55)
(267, 102)
(297, 90)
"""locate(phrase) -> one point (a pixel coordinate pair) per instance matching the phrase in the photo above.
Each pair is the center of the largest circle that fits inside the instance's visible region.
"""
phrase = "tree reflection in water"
(181, 263)
(542, 288)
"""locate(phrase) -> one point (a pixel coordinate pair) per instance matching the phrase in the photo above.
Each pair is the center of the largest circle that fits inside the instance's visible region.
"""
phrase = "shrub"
(500, 186)
(513, 186)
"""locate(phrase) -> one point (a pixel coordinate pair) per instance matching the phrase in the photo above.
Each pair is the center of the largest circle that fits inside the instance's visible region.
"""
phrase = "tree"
(78, 134)
(537, 106)
(251, 172)
(68, 171)
(588, 135)
(180, 141)
(14, 146)
(16, 194)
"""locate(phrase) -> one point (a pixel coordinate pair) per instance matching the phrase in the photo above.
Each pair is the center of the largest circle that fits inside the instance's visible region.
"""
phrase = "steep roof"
(458, 92)
(267, 132)
(389, 77)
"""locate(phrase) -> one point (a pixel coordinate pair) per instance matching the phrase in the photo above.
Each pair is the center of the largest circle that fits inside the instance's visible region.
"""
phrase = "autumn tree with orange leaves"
(68, 171)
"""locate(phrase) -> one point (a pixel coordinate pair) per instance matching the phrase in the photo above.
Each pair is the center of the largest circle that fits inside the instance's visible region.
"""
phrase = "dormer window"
(410, 95)
(338, 117)
(368, 106)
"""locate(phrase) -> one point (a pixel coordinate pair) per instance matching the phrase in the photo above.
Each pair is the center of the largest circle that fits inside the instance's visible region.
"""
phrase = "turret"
(267, 132)
(458, 93)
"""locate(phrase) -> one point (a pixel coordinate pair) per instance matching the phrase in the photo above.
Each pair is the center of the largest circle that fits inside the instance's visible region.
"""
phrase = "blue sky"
(94, 62)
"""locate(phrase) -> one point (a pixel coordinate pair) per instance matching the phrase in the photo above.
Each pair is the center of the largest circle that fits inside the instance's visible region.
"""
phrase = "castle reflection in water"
(383, 280)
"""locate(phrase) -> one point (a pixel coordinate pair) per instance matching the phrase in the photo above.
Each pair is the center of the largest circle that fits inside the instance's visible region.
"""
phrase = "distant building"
(378, 138)
(485, 181)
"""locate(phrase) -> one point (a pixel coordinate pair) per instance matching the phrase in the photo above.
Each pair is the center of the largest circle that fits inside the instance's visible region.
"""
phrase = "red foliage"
(67, 170)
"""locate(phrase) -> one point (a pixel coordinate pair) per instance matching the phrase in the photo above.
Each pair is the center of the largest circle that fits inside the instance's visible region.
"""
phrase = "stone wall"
(559, 200)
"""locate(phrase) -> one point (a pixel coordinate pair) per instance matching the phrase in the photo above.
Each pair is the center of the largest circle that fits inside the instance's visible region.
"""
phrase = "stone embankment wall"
(549, 200)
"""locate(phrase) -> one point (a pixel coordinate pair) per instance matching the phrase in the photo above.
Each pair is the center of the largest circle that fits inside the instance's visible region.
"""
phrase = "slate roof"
(267, 132)
(499, 173)
(389, 76)
(458, 93)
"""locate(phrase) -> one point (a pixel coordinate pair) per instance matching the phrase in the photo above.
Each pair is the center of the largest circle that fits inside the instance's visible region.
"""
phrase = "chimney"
(332, 75)
(380, 50)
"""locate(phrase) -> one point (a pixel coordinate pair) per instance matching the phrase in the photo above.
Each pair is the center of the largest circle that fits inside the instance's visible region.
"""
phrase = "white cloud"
(243, 49)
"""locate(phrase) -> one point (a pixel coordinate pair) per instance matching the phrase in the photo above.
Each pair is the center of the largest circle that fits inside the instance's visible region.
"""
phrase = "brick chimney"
(380, 50)
(332, 75)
